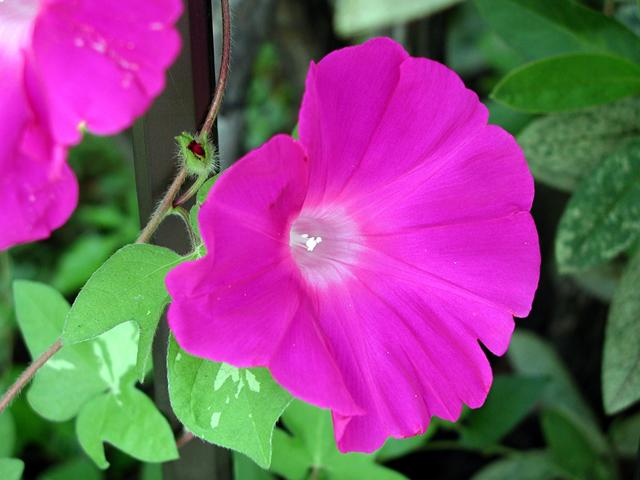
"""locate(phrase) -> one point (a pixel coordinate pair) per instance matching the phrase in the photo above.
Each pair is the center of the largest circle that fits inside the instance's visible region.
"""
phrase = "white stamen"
(311, 242)
(340, 239)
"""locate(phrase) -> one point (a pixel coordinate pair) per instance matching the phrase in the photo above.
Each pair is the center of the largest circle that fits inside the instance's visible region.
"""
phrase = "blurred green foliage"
(271, 102)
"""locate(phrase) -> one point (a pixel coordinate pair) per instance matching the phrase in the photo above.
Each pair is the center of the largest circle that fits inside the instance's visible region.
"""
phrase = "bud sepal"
(197, 154)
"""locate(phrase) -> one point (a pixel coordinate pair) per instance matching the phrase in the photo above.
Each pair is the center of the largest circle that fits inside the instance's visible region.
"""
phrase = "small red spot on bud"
(196, 148)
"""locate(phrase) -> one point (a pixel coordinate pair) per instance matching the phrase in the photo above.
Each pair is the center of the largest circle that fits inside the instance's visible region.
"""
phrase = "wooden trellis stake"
(182, 107)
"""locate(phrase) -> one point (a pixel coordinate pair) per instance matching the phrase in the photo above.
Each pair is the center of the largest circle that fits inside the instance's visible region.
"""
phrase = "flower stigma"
(312, 242)
(324, 245)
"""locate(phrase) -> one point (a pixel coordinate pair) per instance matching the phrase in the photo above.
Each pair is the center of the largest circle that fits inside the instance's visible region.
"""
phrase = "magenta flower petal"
(410, 358)
(68, 63)
(102, 63)
(345, 100)
(225, 306)
(38, 192)
(408, 244)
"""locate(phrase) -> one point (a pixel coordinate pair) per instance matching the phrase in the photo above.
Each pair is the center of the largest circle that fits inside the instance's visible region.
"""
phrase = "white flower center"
(16, 22)
(324, 244)
(310, 242)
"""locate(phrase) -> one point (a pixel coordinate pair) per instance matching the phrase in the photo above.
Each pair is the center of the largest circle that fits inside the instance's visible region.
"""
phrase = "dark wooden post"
(182, 107)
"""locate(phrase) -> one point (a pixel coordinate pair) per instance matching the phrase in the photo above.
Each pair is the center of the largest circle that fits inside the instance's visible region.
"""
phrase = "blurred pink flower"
(68, 64)
(363, 264)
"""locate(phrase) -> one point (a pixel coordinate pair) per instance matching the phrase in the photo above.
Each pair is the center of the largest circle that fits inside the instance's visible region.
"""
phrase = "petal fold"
(402, 360)
(345, 100)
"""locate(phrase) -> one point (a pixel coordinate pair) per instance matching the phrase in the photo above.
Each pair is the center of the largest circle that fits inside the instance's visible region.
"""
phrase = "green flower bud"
(197, 154)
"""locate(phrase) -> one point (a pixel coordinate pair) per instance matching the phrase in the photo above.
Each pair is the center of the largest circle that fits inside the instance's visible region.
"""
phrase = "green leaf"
(7, 434)
(353, 465)
(312, 447)
(472, 49)
(542, 28)
(40, 312)
(621, 359)
(245, 469)
(603, 216)
(572, 447)
(65, 384)
(193, 220)
(78, 373)
(290, 458)
(11, 468)
(204, 190)
(511, 120)
(564, 148)
(231, 407)
(625, 435)
(151, 471)
(312, 427)
(530, 355)
(601, 281)
(568, 82)
(67, 380)
(201, 196)
(130, 422)
(509, 401)
(93, 380)
(531, 465)
(128, 287)
(399, 447)
(80, 469)
(354, 17)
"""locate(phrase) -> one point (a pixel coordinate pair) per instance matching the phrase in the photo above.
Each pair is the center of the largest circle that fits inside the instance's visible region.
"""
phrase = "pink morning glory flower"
(364, 264)
(69, 64)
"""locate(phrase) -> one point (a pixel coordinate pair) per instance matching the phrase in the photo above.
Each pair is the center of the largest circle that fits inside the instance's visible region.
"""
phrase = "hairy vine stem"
(28, 374)
(193, 189)
(164, 208)
(184, 215)
(216, 103)
(185, 438)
